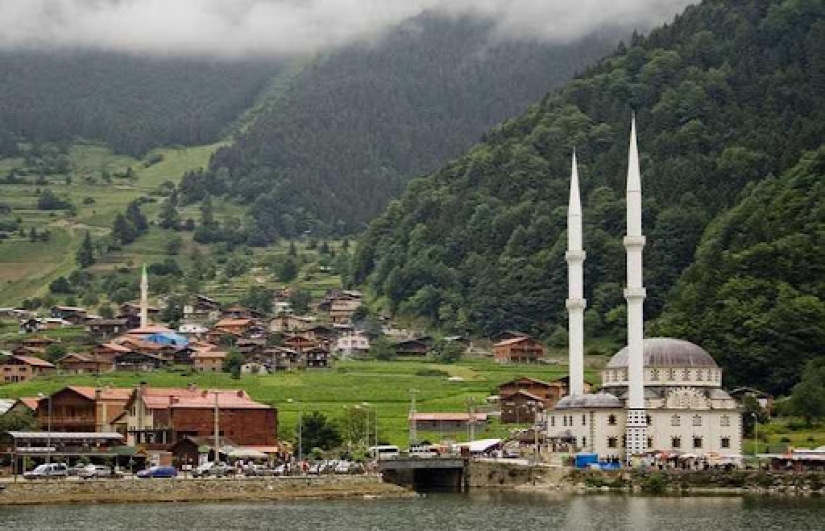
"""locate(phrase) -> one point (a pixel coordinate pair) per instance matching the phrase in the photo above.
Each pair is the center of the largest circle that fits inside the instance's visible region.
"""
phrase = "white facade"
(352, 343)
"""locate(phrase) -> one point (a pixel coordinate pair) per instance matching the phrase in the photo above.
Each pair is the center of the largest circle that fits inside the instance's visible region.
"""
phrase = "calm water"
(476, 512)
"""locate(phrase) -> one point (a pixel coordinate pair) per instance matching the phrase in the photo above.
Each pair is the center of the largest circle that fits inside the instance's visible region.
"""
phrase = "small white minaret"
(634, 294)
(144, 298)
(575, 303)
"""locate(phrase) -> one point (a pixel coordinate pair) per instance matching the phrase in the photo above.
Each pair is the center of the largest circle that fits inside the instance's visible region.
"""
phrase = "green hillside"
(94, 185)
(727, 95)
(354, 125)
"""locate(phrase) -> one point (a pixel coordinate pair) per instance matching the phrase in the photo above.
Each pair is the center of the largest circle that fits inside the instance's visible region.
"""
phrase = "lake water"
(470, 512)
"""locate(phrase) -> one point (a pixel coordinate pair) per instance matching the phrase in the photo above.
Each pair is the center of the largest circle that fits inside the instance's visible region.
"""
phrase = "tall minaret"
(144, 298)
(634, 294)
(575, 303)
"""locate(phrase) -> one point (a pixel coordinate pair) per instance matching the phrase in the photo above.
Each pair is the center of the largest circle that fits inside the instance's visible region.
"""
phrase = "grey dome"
(598, 400)
(667, 352)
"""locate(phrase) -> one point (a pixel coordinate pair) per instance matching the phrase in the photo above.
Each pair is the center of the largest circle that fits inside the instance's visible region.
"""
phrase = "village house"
(140, 361)
(200, 309)
(504, 335)
(132, 309)
(82, 409)
(449, 423)
(353, 344)
(25, 405)
(240, 312)
(290, 323)
(23, 368)
(78, 363)
(279, 359)
(518, 350)
(73, 314)
(321, 333)
(159, 418)
(550, 392)
(412, 347)
(106, 328)
(299, 343)
(234, 326)
(208, 360)
(316, 358)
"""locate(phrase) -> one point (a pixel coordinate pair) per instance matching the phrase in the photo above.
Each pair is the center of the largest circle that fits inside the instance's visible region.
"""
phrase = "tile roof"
(513, 341)
(456, 417)
(106, 393)
(36, 362)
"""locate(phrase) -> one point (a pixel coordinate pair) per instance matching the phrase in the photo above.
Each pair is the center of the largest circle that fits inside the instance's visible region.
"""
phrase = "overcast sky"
(285, 27)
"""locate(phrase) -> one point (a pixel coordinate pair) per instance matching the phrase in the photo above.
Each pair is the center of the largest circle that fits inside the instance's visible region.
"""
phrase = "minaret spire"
(634, 294)
(144, 298)
(575, 303)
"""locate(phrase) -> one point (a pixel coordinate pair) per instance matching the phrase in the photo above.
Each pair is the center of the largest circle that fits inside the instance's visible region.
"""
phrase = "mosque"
(657, 394)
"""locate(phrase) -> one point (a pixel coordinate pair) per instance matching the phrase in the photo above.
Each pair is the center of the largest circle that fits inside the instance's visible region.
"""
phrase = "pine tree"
(136, 218)
(85, 254)
(122, 230)
(207, 215)
(169, 217)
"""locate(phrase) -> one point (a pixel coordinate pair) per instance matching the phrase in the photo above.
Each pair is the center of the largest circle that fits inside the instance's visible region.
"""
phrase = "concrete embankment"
(504, 475)
(196, 490)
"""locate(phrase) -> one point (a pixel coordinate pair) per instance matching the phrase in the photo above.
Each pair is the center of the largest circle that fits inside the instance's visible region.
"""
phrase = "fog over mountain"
(289, 27)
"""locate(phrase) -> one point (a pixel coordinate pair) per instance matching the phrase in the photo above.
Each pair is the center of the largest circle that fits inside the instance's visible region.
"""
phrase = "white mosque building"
(657, 394)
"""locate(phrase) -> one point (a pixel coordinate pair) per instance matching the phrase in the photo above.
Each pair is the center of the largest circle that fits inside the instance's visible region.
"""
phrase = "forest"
(727, 97)
(356, 124)
(133, 103)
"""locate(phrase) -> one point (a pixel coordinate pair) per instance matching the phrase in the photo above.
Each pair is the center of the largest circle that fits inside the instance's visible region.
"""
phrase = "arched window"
(725, 442)
(675, 420)
(650, 442)
(584, 442)
(584, 420)
(671, 374)
(676, 442)
(654, 375)
(553, 420)
(725, 421)
(700, 375)
(611, 420)
(697, 420)
(686, 375)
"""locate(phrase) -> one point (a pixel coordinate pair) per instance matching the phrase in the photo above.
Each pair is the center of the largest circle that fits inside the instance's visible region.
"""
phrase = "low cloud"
(289, 27)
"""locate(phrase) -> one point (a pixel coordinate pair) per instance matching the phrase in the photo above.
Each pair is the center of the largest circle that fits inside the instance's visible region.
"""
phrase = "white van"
(384, 451)
(51, 470)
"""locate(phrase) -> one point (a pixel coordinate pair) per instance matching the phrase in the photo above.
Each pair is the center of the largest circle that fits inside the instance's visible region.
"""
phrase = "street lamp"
(300, 428)
(49, 429)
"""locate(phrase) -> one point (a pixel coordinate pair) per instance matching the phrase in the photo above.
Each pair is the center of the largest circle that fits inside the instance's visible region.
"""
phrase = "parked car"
(77, 469)
(213, 469)
(98, 472)
(158, 472)
(51, 470)
(343, 467)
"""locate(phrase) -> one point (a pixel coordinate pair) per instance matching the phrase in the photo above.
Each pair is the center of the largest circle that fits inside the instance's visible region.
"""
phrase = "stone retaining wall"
(194, 490)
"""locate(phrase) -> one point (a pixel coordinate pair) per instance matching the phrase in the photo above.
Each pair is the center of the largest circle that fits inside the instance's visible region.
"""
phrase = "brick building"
(159, 418)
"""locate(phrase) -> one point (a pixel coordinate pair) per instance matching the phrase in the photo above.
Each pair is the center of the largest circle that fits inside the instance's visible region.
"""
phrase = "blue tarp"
(585, 460)
(168, 338)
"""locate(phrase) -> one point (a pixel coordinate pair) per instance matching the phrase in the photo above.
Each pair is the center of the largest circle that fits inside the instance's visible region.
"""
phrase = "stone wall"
(195, 490)
(507, 474)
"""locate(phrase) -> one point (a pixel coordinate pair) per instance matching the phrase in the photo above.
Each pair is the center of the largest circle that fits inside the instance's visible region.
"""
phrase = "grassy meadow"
(383, 385)
(27, 268)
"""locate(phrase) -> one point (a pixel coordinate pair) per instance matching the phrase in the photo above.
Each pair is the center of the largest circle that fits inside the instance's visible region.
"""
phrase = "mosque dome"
(598, 400)
(667, 352)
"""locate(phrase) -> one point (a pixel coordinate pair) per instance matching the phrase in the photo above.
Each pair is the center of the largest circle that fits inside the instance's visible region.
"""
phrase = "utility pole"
(217, 429)
(413, 430)
(471, 418)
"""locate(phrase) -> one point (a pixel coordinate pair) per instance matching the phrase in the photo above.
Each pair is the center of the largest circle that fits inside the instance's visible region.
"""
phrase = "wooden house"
(140, 361)
(77, 363)
(316, 358)
(16, 368)
(72, 314)
(518, 350)
(412, 347)
(208, 360)
(105, 328)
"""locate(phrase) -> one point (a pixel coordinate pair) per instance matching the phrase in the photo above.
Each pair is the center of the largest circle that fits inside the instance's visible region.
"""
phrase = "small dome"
(598, 400)
(667, 352)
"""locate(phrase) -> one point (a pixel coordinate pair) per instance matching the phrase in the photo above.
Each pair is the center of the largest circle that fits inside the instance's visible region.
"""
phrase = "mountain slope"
(133, 103)
(355, 125)
(725, 96)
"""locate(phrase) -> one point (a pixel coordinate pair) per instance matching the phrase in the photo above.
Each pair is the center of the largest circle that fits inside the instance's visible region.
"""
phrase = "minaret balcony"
(635, 293)
(634, 242)
(576, 304)
(575, 256)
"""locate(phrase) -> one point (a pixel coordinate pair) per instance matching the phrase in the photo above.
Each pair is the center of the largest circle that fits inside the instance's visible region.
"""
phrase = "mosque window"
(675, 420)
(624, 441)
(611, 420)
(725, 442)
(697, 420)
(612, 442)
(671, 374)
(686, 375)
(725, 421)
(700, 375)
(584, 420)
(697, 442)
(654, 375)
(553, 420)
(648, 420)
(676, 442)
(650, 442)
(584, 442)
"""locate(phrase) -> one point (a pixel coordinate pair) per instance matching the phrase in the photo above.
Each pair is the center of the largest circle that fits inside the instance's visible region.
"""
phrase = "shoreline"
(199, 490)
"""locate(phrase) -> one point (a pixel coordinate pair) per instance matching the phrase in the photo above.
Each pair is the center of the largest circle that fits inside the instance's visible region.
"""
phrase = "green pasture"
(27, 268)
(383, 385)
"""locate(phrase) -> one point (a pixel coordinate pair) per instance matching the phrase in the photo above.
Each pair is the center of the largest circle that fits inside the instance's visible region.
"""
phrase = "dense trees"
(726, 96)
(755, 295)
(348, 131)
(131, 102)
